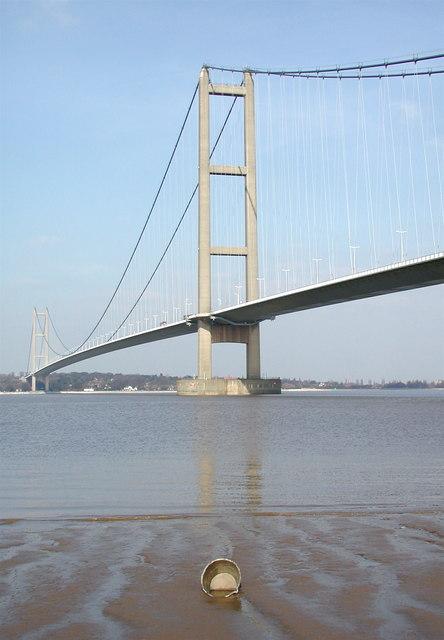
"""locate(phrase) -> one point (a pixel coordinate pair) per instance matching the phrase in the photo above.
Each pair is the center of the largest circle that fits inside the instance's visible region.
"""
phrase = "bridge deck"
(412, 274)
(421, 272)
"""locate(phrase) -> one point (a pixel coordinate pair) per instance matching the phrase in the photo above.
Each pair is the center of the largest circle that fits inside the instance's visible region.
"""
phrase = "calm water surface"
(158, 453)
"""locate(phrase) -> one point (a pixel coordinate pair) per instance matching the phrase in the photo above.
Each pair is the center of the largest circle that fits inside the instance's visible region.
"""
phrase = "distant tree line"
(293, 383)
(78, 381)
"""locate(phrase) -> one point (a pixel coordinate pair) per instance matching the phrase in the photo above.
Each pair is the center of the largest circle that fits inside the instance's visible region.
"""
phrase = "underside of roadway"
(422, 272)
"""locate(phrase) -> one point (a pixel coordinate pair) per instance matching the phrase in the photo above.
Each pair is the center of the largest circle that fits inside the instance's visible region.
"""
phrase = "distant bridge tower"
(215, 330)
(39, 345)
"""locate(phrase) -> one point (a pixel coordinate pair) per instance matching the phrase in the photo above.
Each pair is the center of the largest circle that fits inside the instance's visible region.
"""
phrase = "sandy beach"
(326, 575)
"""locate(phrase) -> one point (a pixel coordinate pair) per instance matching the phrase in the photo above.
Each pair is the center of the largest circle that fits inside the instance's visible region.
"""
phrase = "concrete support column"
(204, 347)
(204, 261)
(253, 345)
(250, 189)
(33, 383)
(254, 353)
(46, 337)
(46, 383)
(33, 344)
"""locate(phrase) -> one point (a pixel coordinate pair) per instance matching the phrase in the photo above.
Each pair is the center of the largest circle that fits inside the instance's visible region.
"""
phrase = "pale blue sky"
(92, 97)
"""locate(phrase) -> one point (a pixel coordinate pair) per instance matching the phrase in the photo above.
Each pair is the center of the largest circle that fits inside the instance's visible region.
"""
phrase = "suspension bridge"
(314, 187)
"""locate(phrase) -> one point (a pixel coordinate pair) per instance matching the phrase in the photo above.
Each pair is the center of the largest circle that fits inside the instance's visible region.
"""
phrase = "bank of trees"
(78, 381)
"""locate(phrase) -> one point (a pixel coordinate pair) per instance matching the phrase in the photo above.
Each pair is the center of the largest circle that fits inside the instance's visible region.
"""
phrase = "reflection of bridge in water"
(312, 191)
(251, 481)
(240, 486)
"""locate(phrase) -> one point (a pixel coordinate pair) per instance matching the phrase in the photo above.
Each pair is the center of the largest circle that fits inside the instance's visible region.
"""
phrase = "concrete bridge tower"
(215, 330)
(39, 345)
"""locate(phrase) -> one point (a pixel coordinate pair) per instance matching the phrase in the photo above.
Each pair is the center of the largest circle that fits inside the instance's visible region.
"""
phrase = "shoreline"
(86, 393)
(317, 511)
(174, 392)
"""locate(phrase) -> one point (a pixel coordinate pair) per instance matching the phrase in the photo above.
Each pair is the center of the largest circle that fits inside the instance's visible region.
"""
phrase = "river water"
(98, 454)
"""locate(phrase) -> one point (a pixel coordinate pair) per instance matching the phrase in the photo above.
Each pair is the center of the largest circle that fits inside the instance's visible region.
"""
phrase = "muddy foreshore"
(338, 575)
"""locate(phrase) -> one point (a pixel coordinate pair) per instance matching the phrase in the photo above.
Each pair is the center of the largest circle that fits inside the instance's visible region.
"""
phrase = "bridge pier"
(253, 353)
(204, 350)
(35, 380)
(228, 387)
(217, 330)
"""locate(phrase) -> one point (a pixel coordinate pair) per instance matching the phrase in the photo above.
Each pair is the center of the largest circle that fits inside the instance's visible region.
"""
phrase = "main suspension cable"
(57, 333)
(42, 335)
(29, 351)
(334, 69)
(190, 200)
(358, 76)
(116, 289)
(165, 250)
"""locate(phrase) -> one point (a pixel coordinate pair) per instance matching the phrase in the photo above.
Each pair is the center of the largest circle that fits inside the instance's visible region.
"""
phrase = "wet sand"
(326, 576)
